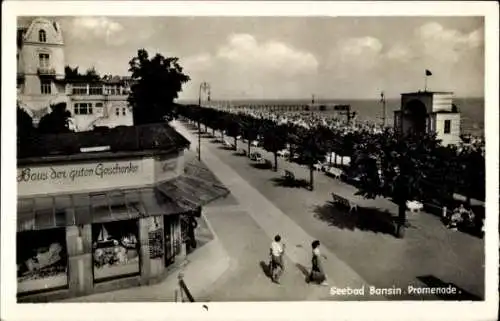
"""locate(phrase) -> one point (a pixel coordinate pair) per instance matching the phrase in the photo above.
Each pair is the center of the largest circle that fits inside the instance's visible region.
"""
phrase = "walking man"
(277, 249)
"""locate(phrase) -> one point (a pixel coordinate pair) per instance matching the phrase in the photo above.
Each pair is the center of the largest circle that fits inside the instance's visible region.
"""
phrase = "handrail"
(184, 289)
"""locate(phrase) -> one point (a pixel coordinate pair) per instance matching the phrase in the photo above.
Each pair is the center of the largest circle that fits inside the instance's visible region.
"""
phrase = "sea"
(472, 109)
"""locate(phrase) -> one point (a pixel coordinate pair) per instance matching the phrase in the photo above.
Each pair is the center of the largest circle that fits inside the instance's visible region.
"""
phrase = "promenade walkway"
(429, 255)
(273, 221)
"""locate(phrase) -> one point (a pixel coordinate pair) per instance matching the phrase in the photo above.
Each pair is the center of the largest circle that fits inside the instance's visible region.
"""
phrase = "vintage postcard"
(252, 160)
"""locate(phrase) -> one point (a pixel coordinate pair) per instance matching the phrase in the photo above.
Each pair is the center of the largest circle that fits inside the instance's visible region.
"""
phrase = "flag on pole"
(428, 72)
(382, 97)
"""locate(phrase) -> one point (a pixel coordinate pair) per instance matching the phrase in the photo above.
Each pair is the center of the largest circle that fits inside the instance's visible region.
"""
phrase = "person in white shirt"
(277, 249)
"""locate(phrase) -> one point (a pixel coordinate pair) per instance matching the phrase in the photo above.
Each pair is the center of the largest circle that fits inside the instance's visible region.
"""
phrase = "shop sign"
(58, 174)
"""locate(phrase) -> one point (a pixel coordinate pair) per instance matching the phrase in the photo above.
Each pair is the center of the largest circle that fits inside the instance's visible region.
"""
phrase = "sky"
(291, 57)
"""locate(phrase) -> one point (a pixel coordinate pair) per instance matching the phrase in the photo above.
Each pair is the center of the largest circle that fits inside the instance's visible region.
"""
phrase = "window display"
(41, 260)
(115, 249)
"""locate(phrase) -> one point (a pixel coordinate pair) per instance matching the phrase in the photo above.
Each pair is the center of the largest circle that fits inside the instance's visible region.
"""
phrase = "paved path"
(429, 254)
(273, 221)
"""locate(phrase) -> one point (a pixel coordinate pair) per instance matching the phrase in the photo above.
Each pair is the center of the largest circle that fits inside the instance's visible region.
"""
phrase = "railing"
(98, 91)
(182, 293)
(46, 71)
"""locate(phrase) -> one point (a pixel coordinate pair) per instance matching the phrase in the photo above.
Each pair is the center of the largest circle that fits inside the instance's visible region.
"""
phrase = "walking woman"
(317, 274)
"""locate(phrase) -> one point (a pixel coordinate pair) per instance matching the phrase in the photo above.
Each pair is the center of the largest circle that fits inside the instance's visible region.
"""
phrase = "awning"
(192, 192)
(75, 209)
(182, 195)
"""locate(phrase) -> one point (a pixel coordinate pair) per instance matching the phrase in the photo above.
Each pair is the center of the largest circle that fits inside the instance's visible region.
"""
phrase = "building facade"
(40, 65)
(100, 104)
(429, 112)
(97, 213)
(41, 80)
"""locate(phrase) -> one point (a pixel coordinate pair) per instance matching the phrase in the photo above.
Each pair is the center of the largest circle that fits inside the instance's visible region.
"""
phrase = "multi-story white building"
(41, 81)
(40, 65)
(102, 103)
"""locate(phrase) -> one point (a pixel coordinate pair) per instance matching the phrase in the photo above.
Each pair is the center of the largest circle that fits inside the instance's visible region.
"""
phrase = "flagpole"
(383, 102)
(425, 84)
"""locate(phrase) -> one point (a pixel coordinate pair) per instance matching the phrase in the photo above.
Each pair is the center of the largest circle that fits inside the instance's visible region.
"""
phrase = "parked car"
(254, 143)
(283, 153)
(256, 157)
(227, 144)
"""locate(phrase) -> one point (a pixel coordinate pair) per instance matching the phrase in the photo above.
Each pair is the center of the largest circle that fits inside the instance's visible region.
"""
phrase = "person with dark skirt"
(317, 274)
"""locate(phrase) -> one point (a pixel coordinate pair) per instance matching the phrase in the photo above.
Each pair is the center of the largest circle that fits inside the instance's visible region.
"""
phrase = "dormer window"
(42, 36)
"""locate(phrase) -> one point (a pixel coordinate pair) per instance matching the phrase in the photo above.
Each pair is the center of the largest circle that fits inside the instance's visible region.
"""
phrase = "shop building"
(103, 212)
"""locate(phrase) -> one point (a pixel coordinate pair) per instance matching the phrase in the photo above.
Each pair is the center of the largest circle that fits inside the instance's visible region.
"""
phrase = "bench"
(337, 199)
(334, 172)
(414, 206)
(289, 176)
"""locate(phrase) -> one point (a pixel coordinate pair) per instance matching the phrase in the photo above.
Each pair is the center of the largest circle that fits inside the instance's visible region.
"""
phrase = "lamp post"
(205, 86)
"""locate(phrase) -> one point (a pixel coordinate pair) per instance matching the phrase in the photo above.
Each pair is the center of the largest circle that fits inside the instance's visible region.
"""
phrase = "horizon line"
(316, 100)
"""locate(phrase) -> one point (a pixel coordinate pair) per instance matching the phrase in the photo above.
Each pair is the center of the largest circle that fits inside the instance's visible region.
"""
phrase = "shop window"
(98, 105)
(41, 261)
(42, 36)
(115, 250)
(83, 109)
(45, 87)
(447, 126)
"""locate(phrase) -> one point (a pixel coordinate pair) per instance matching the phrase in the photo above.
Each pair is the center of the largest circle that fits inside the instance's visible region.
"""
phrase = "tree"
(293, 138)
(250, 128)
(470, 175)
(311, 148)
(55, 122)
(396, 167)
(274, 139)
(71, 74)
(157, 82)
(233, 127)
(25, 126)
(91, 75)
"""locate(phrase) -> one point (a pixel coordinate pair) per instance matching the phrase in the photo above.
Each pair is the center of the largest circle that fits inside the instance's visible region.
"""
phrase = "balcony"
(46, 72)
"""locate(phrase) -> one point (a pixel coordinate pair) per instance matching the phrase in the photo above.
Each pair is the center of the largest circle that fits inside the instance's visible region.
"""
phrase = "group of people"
(459, 217)
(311, 119)
(277, 250)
